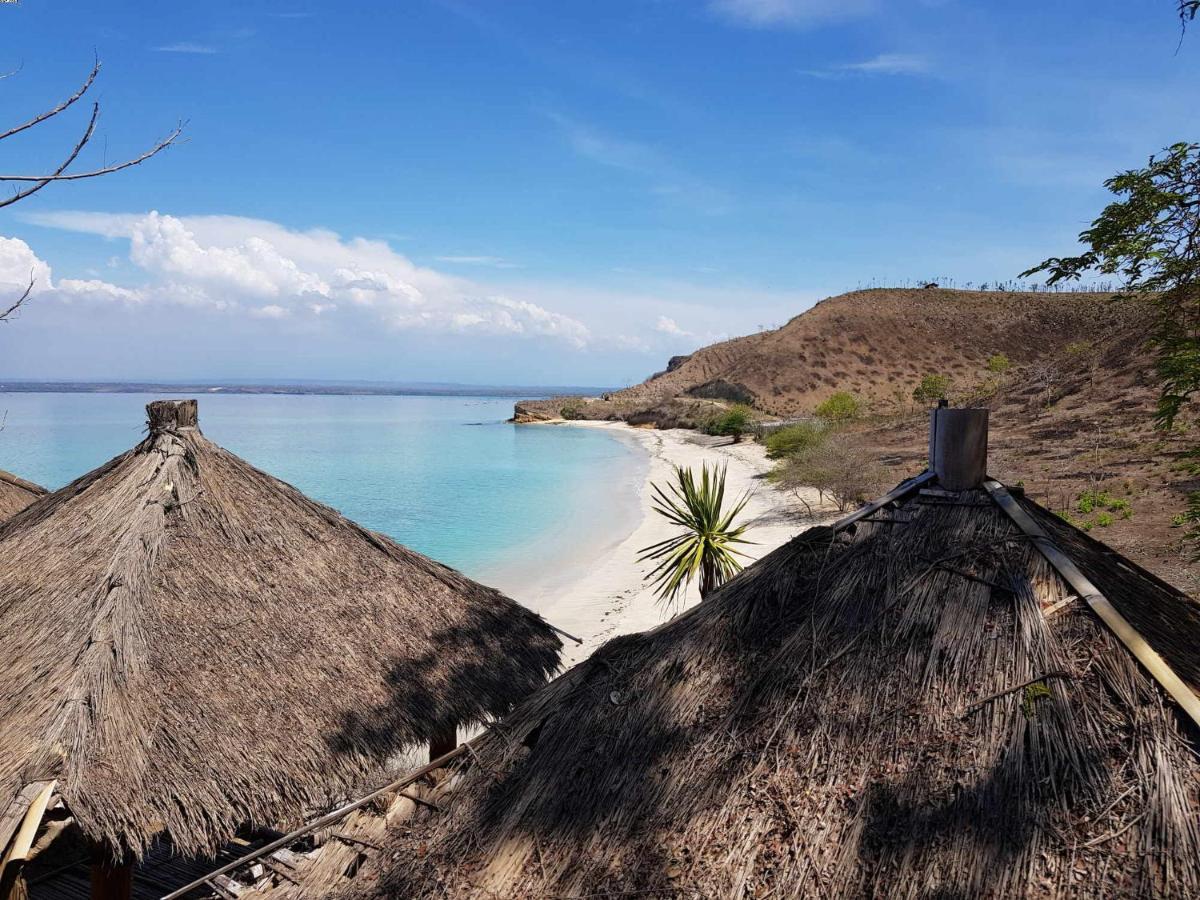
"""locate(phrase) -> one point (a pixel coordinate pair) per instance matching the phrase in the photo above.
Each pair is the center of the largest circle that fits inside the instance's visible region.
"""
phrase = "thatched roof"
(190, 644)
(916, 705)
(16, 494)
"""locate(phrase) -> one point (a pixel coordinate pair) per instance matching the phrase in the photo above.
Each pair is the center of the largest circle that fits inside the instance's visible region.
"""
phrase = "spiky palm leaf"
(705, 547)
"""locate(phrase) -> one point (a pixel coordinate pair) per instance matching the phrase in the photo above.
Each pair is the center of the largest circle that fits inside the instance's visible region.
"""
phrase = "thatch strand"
(801, 733)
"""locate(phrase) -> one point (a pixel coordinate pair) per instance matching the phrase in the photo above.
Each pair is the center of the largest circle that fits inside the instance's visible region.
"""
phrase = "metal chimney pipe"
(958, 441)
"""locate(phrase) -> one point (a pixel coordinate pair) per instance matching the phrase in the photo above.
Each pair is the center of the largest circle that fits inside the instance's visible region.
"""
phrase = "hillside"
(1073, 413)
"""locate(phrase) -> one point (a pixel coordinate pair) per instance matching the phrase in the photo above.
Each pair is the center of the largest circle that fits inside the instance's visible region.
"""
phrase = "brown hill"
(878, 344)
(1073, 413)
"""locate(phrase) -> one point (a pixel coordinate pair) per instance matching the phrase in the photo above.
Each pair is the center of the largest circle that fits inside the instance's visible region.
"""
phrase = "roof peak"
(170, 415)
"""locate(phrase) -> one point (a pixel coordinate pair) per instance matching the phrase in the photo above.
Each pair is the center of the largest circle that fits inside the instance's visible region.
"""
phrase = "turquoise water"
(443, 475)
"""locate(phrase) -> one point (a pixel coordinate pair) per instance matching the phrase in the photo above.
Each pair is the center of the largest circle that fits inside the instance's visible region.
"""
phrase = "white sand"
(604, 596)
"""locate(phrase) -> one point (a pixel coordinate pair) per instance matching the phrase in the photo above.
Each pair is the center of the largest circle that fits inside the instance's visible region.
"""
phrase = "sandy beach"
(605, 593)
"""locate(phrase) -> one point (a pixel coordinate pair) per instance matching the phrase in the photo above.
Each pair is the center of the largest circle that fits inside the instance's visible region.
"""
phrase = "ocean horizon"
(446, 475)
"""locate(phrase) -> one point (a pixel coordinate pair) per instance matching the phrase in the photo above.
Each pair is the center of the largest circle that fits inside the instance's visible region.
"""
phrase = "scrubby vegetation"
(1097, 508)
(999, 363)
(841, 406)
(734, 423)
(837, 465)
(571, 412)
(796, 438)
(932, 389)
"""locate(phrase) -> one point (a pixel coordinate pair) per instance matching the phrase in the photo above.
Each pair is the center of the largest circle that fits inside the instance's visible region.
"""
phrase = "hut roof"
(16, 494)
(912, 704)
(190, 644)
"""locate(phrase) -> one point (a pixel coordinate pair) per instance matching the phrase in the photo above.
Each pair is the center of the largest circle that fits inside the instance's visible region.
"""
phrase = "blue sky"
(548, 192)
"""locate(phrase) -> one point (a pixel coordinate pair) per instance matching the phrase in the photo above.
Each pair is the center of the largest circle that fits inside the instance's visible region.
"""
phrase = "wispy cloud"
(495, 262)
(884, 64)
(187, 47)
(666, 179)
(791, 13)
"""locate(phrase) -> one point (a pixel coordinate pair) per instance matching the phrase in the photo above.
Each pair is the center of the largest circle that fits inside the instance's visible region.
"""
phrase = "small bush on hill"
(932, 389)
(796, 438)
(571, 412)
(841, 406)
(734, 423)
(999, 363)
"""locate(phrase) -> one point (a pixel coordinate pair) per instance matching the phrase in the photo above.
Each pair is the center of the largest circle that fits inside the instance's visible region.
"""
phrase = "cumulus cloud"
(765, 13)
(19, 264)
(666, 325)
(260, 269)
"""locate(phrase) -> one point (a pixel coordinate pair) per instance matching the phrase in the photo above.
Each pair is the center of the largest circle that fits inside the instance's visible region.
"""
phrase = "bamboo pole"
(328, 819)
(1120, 626)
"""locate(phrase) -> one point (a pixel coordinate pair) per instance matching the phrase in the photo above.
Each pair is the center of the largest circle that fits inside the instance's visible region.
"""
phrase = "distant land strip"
(346, 388)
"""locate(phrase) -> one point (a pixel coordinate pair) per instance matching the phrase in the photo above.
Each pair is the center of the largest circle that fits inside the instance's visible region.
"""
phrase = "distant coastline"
(285, 386)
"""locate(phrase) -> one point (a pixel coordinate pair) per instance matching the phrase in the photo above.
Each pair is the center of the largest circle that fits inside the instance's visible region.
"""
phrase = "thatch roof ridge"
(16, 493)
(917, 706)
(178, 607)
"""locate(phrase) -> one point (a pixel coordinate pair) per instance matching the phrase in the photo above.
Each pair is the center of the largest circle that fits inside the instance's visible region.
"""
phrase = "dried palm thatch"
(915, 706)
(189, 645)
(16, 494)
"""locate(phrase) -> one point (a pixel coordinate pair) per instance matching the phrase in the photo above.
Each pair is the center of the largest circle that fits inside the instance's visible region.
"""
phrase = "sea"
(444, 475)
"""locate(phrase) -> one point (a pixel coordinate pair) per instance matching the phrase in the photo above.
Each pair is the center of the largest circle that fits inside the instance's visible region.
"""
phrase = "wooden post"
(445, 739)
(958, 441)
(111, 880)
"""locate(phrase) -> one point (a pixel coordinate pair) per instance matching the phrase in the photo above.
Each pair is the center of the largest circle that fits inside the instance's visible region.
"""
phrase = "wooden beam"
(320, 822)
(1117, 623)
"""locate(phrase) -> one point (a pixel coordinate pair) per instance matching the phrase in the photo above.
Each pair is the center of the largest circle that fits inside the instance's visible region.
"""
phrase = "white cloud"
(18, 264)
(883, 64)
(187, 47)
(666, 325)
(891, 64)
(796, 13)
(261, 269)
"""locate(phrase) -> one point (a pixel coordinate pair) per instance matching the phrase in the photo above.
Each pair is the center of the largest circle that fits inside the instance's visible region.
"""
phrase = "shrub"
(836, 466)
(571, 412)
(734, 423)
(796, 438)
(932, 389)
(999, 363)
(839, 407)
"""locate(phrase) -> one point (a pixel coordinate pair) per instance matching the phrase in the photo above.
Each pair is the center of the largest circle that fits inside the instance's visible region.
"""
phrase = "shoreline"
(600, 592)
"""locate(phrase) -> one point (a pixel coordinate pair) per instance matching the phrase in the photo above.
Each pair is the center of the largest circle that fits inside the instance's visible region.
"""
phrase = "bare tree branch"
(87, 136)
(4, 316)
(166, 142)
(38, 119)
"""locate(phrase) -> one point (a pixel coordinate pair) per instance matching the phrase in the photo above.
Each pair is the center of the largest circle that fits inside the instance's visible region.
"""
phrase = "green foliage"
(1150, 237)
(705, 548)
(841, 406)
(999, 363)
(1098, 508)
(571, 412)
(796, 438)
(734, 423)
(932, 389)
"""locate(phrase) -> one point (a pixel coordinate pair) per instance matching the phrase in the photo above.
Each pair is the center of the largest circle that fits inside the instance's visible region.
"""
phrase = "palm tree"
(705, 547)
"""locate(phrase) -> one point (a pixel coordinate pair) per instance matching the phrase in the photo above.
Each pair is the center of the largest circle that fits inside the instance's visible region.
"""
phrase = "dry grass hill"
(1073, 412)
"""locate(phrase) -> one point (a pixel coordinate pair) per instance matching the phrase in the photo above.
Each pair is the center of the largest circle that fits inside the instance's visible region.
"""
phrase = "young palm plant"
(705, 548)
